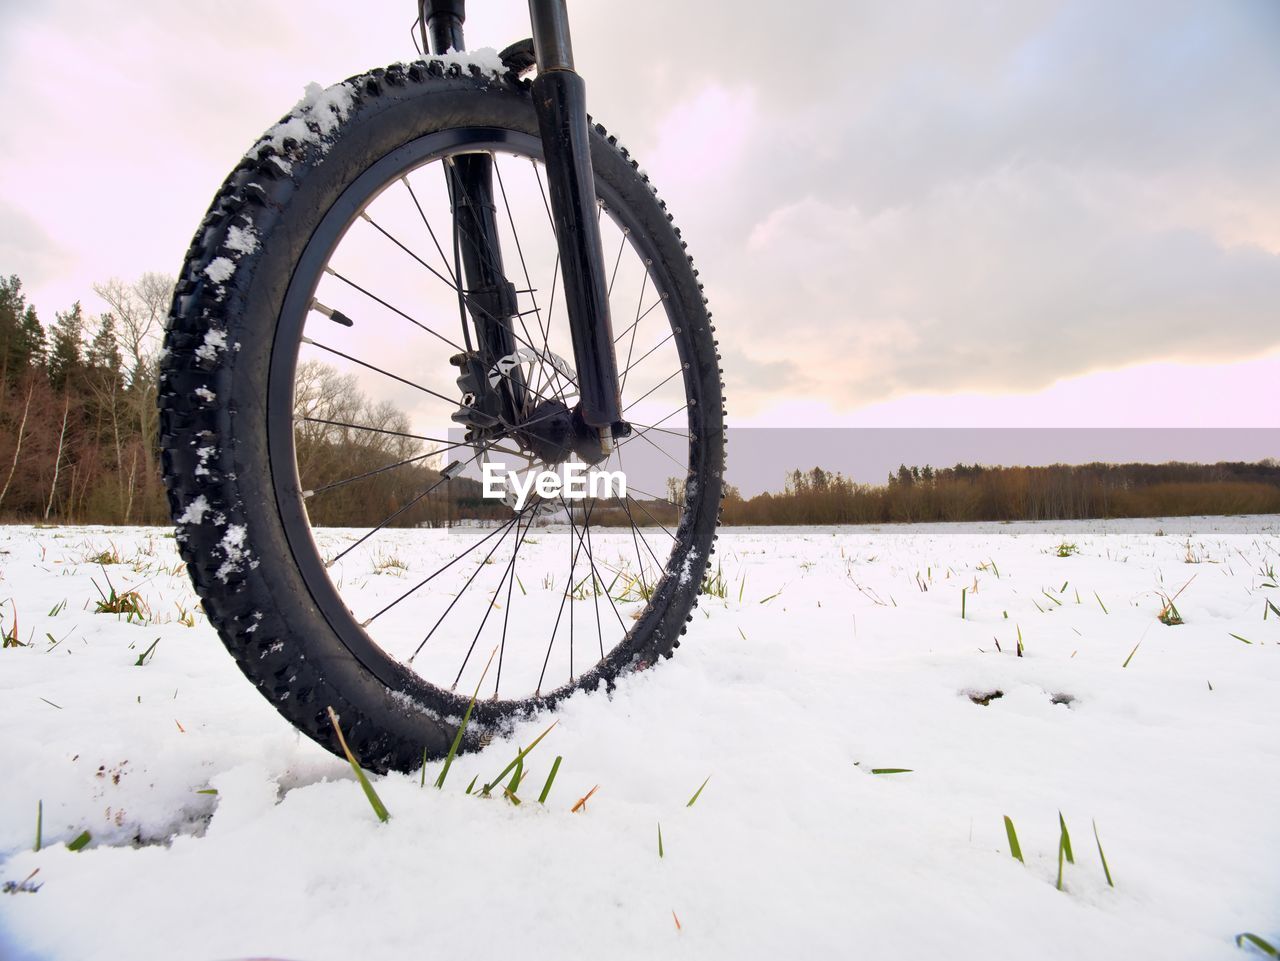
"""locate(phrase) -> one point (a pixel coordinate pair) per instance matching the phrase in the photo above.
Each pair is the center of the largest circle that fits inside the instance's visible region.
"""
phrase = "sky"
(1030, 213)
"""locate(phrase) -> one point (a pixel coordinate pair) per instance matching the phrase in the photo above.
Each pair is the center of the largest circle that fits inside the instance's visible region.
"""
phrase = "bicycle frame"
(559, 96)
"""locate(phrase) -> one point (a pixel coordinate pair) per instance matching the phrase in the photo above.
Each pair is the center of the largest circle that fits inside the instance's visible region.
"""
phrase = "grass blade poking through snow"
(142, 658)
(39, 825)
(891, 770)
(519, 759)
(1131, 653)
(698, 793)
(1066, 840)
(1014, 848)
(1064, 848)
(546, 788)
(457, 738)
(1105, 870)
(375, 802)
(80, 842)
(660, 854)
(1260, 943)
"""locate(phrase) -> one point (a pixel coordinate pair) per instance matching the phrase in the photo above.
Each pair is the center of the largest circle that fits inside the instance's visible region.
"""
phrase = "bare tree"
(17, 450)
(62, 436)
(141, 308)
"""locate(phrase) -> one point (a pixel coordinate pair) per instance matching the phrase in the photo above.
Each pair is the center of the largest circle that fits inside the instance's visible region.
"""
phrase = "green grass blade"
(891, 770)
(1105, 869)
(546, 788)
(375, 802)
(471, 786)
(698, 793)
(82, 839)
(1014, 848)
(1131, 653)
(423, 782)
(39, 825)
(1100, 604)
(1059, 884)
(963, 592)
(457, 737)
(1239, 638)
(519, 758)
(1066, 839)
(1260, 943)
(142, 658)
(660, 853)
(516, 776)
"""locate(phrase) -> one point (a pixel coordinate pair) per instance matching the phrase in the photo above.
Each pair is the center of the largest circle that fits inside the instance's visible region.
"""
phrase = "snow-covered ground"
(842, 651)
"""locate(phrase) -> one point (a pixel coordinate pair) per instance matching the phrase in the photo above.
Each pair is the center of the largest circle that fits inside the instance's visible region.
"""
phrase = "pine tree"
(103, 357)
(66, 356)
(13, 305)
(30, 349)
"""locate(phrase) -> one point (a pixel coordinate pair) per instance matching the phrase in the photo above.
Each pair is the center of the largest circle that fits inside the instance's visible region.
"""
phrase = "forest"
(79, 444)
(978, 493)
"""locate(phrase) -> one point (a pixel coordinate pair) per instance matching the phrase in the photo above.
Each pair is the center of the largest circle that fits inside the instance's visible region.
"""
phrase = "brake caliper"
(481, 405)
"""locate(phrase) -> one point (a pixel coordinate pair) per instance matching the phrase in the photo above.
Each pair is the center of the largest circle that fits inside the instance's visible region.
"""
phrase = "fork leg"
(560, 100)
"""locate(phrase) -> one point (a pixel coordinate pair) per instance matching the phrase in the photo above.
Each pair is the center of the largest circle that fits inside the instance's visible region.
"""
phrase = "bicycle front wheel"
(308, 388)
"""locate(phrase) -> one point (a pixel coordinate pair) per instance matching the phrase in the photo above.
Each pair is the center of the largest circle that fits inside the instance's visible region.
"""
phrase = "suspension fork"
(559, 95)
(560, 100)
(489, 296)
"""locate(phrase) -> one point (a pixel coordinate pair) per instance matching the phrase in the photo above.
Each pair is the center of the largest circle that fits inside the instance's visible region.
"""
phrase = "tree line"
(980, 493)
(79, 426)
(79, 444)
(78, 406)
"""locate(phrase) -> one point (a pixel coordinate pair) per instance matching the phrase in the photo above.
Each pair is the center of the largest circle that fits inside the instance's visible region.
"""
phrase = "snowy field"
(834, 654)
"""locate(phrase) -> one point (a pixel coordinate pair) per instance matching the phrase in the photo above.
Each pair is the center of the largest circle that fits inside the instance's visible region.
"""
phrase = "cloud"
(883, 199)
(1008, 282)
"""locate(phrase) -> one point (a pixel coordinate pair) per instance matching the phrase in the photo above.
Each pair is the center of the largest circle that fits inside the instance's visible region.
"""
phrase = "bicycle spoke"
(382, 430)
(591, 560)
(649, 515)
(647, 311)
(379, 370)
(661, 430)
(396, 310)
(451, 284)
(622, 382)
(427, 224)
(622, 242)
(631, 366)
(368, 473)
(506, 614)
(567, 595)
(634, 531)
(396, 513)
(673, 375)
(489, 607)
(506, 528)
(664, 453)
(433, 575)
